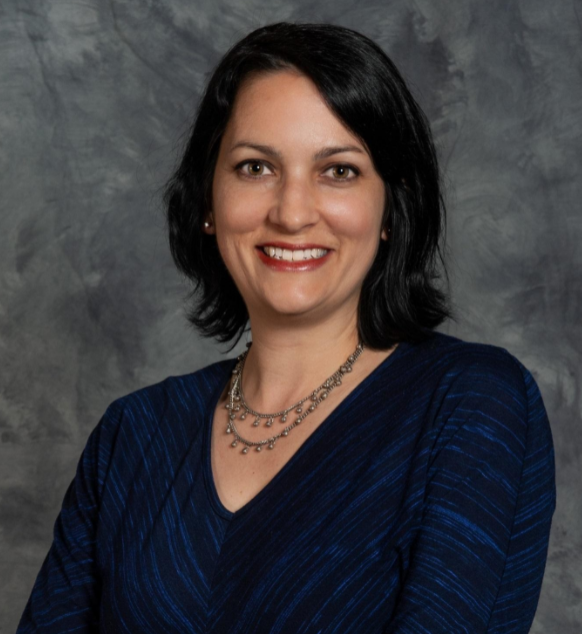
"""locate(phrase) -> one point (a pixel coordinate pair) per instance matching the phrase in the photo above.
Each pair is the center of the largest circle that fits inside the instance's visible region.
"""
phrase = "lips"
(281, 256)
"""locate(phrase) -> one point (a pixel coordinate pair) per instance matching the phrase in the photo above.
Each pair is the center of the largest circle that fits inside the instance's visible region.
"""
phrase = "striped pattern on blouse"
(421, 505)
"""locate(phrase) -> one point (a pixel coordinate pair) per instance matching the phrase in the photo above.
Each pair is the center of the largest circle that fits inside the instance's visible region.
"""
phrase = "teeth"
(294, 255)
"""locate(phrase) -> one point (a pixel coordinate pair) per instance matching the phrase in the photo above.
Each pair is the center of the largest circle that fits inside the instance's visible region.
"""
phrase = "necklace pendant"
(245, 450)
(284, 418)
(271, 445)
(259, 447)
(234, 443)
(257, 421)
(269, 422)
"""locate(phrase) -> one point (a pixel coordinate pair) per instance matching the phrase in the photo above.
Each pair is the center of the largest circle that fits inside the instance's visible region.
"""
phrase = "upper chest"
(239, 477)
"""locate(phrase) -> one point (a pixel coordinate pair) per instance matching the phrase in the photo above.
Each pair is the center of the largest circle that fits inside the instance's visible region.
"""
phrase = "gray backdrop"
(94, 100)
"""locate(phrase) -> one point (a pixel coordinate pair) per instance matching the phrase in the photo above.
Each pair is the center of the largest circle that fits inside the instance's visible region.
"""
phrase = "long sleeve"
(65, 596)
(478, 558)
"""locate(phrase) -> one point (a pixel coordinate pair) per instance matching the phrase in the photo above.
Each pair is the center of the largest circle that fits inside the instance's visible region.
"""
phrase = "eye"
(255, 169)
(341, 172)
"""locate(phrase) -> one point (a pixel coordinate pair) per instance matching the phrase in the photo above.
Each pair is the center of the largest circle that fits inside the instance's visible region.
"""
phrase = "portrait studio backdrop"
(95, 99)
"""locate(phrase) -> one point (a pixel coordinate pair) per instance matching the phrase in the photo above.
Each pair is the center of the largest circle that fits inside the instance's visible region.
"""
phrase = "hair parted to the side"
(401, 298)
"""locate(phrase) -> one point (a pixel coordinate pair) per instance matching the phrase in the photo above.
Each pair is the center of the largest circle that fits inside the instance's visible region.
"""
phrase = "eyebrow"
(321, 154)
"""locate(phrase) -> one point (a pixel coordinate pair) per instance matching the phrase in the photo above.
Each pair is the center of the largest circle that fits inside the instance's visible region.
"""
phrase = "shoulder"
(468, 383)
(176, 396)
(147, 417)
(194, 383)
(483, 389)
(453, 361)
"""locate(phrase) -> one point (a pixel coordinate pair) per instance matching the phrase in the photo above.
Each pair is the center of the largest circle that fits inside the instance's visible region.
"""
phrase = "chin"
(286, 305)
(288, 310)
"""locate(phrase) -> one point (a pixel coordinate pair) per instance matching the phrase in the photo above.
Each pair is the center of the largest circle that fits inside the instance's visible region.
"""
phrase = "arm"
(65, 596)
(479, 554)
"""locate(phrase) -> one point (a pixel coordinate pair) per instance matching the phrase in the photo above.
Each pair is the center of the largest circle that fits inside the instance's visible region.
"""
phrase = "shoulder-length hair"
(401, 298)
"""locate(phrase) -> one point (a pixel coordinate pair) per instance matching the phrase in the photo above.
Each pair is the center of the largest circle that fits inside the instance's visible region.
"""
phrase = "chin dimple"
(294, 255)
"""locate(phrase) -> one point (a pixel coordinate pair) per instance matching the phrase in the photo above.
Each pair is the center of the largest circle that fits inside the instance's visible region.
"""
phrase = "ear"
(384, 235)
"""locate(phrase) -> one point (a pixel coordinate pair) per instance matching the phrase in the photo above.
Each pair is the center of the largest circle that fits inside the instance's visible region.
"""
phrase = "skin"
(304, 324)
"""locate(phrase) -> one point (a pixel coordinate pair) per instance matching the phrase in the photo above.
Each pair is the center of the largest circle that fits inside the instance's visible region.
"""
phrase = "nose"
(295, 206)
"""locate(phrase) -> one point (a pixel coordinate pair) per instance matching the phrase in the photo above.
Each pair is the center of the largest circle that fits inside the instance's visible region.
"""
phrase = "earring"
(207, 224)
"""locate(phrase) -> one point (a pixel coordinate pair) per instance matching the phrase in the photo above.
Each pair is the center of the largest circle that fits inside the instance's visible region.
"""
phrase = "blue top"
(422, 504)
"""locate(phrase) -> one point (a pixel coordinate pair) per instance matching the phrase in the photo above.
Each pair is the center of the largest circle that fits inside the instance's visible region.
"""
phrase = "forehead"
(287, 105)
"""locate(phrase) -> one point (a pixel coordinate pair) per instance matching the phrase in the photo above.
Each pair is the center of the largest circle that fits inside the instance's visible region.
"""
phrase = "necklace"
(236, 402)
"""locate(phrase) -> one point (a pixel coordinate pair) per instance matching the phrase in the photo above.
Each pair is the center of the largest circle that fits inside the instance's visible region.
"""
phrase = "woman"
(353, 470)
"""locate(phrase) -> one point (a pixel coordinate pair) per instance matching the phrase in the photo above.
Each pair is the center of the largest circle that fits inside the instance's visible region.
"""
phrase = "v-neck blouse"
(322, 429)
(421, 504)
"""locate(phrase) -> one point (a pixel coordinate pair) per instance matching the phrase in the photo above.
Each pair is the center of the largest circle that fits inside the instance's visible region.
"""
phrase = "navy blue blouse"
(422, 504)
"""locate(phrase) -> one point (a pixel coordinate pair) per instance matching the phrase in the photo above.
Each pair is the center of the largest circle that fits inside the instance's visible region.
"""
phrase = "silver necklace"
(237, 402)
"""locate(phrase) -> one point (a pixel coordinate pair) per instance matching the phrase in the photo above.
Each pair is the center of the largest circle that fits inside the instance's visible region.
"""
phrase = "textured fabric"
(422, 504)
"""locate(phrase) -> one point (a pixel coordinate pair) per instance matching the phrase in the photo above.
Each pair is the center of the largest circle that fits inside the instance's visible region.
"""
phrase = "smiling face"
(290, 174)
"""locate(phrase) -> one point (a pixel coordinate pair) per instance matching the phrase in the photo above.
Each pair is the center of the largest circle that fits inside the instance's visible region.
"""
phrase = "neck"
(285, 364)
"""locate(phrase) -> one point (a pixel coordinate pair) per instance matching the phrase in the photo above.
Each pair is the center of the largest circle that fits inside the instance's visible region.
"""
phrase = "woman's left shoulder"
(486, 403)
(457, 360)
(470, 381)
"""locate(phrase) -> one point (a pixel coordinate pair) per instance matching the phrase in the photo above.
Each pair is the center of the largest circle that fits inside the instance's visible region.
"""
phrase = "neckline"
(304, 448)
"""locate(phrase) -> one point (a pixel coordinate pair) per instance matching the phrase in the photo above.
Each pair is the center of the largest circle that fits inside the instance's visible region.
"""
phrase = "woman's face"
(291, 177)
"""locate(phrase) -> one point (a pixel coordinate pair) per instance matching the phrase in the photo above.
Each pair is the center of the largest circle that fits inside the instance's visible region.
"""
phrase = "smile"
(294, 255)
(284, 259)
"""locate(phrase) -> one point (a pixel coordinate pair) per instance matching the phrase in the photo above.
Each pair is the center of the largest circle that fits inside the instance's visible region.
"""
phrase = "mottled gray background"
(94, 100)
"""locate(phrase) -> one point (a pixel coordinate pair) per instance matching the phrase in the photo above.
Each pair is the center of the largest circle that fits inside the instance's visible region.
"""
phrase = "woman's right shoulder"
(145, 426)
(174, 398)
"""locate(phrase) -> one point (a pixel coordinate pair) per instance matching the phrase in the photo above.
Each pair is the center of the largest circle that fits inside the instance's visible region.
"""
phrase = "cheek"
(237, 217)
(358, 219)
(236, 210)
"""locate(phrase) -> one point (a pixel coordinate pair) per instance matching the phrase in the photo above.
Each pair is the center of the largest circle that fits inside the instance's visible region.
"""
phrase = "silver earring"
(207, 224)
